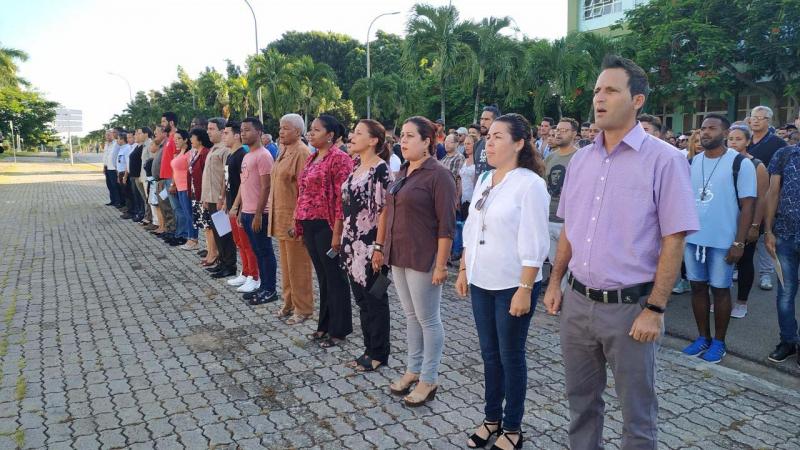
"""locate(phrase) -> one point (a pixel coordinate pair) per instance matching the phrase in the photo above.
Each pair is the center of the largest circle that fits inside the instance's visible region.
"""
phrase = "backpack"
(737, 164)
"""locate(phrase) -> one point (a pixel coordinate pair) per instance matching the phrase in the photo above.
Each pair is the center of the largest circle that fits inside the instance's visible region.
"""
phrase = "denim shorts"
(708, 264)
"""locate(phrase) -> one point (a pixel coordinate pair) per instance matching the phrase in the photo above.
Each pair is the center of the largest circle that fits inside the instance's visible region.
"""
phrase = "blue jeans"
(262, 247)
(173, 202)
(458, 240)
(502, 339)
(789, 256)
(189, 230)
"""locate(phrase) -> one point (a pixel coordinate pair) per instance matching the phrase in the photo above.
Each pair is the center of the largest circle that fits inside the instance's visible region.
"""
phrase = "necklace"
(704, 191)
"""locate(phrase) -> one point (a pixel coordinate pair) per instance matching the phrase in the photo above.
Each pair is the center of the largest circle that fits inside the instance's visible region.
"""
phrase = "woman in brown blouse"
(419, 223)
(298, 300)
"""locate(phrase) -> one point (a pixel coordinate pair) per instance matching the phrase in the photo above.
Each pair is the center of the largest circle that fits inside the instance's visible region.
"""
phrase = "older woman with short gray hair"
(298, 299)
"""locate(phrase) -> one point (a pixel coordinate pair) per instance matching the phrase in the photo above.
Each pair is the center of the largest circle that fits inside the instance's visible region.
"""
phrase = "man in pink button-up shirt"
(627, 205)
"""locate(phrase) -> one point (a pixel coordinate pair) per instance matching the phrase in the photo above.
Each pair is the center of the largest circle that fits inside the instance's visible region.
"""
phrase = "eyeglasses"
(397, 185)
(484, 196)
(758, 119)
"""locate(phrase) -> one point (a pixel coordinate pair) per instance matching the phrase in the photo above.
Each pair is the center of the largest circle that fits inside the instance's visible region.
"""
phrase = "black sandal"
(481, 442)
(317, 335)
(365, 364)
(356, 362)
(328, 342)
(505, 435)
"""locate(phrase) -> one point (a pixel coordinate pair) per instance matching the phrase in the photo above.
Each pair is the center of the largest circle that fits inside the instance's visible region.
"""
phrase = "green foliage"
(714, 48)
(31, 113)
(449, 68)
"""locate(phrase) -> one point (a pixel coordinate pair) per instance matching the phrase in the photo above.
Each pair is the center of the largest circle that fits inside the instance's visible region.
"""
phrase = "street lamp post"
(130, 91)
(369, 86)
(13, 143)
(255, 25)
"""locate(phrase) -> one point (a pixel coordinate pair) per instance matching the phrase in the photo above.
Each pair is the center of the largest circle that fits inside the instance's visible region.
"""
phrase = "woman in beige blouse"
(298, 299)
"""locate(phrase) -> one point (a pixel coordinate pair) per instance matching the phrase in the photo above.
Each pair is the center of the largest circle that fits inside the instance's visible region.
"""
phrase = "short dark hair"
(586, 125)
(790, 126)
(235, 126)
(549, 120)
(122, 134)
(725, 122)
(254, 122)
(474, 126)
(492, 109)
(219, 122)
(200, 122)
(171, 117)
(147, 131)
(651, 119)
(573, 123)
(637, 78)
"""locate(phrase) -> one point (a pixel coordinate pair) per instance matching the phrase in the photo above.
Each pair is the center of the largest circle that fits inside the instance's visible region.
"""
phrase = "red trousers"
(249, 263)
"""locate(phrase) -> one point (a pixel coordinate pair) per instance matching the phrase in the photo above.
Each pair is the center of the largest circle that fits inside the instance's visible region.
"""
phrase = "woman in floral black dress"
(363, 198)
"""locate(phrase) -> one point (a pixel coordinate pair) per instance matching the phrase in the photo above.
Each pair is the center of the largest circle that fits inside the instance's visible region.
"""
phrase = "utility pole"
(255, 24)
(369, 85)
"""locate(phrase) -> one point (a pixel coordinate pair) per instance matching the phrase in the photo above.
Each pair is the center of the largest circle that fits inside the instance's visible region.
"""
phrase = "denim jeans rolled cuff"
(788, 254)
(421, 301)
(502, 340)
(262, 247)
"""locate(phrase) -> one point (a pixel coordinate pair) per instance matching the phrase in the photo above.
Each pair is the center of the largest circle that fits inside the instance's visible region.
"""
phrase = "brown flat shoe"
(297, 319)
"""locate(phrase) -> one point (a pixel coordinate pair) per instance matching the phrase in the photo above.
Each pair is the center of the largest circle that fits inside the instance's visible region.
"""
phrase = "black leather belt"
(628, 295)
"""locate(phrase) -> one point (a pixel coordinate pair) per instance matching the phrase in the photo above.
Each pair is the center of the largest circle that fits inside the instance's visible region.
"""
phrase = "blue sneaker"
(715, 352)
(698, 347)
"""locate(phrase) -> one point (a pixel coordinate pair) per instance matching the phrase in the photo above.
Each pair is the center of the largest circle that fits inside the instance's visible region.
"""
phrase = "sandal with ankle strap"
(399, 389)
(481, 442)
(415, 403)
(504, 434)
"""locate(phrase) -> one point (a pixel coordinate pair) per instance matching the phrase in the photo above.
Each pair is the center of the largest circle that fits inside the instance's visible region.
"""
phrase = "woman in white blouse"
(505, 243)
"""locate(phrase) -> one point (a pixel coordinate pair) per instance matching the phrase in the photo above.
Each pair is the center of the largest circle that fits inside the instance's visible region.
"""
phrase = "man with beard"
(724, 184)
(555, 170)
(489, 114)
(213, 197)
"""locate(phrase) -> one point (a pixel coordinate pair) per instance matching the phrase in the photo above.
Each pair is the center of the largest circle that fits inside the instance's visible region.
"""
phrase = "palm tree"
(317, 83)
(435, 34)
(272, 71)
(494, 53)
(8, 67)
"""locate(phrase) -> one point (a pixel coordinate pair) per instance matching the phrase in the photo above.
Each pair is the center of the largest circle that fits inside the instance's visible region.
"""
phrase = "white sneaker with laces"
(238, 281)
(766, 282)
(739, 311)
(249, 286)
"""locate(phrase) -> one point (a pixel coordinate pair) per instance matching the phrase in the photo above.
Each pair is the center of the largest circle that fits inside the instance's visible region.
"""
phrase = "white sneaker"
(739, 311)
(712, 307)
(238, 281)
(766, 282)
(735, 275)
(249, 286)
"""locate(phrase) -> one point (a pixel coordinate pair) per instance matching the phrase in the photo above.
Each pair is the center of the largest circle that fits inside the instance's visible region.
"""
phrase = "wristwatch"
(738, 244)
(655, 308)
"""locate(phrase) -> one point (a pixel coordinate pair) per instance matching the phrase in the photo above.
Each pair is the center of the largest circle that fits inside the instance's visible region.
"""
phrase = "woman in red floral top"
(200, 216)
(318, 218)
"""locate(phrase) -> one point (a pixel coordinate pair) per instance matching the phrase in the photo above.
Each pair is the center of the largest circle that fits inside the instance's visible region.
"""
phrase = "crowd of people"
(618, 207)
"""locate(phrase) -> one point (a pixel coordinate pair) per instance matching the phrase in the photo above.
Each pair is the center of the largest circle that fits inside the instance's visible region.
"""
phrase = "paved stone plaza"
(110, 339)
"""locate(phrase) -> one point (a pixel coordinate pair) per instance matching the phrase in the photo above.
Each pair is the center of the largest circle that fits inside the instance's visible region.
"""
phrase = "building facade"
(597, 16)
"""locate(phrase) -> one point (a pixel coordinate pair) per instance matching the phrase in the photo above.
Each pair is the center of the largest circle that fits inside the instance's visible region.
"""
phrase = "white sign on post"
(69, 121)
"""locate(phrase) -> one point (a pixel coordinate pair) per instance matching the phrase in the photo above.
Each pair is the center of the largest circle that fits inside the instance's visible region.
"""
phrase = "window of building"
(745, 104)
(593, 9)
(787, 111)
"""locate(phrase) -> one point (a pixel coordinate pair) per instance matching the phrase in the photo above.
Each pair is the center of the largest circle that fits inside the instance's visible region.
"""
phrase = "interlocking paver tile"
(155, 354)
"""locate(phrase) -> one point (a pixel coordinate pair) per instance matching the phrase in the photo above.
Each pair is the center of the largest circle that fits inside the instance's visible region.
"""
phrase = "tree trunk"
(477, 103)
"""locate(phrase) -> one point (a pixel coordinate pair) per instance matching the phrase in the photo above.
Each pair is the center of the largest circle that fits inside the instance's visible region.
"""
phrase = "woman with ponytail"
(419, 227)
(318, 219)
(506, 240)
(363, 199)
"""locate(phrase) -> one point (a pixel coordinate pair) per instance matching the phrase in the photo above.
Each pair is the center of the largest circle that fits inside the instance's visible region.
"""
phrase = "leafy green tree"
(280, 88)
(317, 85)
(437, 39)
(715, 48)
(323, 47)
(31, 113)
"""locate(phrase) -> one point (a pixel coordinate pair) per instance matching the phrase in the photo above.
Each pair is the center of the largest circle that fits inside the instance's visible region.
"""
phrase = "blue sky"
(73, 44)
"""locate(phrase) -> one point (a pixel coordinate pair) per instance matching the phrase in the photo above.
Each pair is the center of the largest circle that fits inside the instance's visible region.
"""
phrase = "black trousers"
(374, 315)
(747, 272)
(136, 198)
(113, 186)
(225, 245)
(335, 312)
